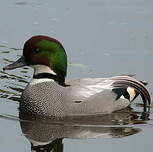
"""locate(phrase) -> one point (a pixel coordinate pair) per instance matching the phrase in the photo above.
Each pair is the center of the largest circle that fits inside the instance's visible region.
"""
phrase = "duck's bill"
(19, 63)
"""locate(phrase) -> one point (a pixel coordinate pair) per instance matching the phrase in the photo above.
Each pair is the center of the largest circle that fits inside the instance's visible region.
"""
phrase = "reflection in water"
(54, 146)
(46, 134)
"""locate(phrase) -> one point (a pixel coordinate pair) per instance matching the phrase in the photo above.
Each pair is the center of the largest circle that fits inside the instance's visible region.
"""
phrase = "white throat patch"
(38, 69)
(42, 69)
(35, 81)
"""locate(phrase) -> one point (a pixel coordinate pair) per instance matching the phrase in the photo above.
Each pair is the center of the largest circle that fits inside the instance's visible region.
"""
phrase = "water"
(102, 38)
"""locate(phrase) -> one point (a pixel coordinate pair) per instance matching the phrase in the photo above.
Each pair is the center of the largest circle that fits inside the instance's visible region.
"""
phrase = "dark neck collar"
(45, 75)
(50, 76)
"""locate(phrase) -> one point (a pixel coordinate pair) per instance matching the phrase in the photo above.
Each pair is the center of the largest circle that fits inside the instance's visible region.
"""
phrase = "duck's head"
(43, 51)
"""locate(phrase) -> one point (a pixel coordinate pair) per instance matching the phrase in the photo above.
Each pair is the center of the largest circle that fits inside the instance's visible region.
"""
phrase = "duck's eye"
(37, 50)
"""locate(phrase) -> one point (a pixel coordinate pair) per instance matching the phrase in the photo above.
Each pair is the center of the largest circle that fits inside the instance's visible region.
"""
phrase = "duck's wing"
(119, 87)
(84, 88)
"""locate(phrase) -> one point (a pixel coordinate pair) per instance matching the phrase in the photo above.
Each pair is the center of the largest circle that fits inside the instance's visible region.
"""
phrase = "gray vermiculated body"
(82, 97)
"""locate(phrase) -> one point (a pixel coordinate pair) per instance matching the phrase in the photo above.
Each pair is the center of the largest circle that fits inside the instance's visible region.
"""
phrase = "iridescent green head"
(44, 50)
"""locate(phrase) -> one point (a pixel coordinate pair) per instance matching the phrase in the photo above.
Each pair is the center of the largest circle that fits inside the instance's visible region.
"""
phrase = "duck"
(50, 94)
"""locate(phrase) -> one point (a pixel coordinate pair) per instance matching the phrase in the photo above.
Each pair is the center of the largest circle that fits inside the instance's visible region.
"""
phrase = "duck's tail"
(133, 88)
